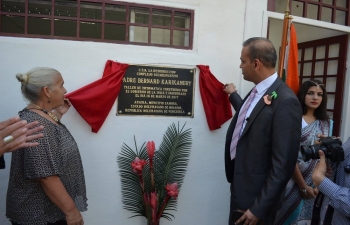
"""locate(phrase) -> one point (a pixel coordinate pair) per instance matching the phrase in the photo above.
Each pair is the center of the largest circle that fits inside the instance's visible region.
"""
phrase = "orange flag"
(291, 61)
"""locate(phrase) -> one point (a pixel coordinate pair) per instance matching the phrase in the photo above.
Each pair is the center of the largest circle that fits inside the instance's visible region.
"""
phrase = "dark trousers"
(60, 222)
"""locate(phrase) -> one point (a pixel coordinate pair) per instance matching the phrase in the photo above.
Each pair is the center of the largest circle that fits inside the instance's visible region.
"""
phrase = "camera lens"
(315, 149)
(311, 152)
(306, 152)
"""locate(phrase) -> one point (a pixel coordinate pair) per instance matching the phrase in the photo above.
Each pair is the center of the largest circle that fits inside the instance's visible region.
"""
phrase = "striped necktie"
(240, 121)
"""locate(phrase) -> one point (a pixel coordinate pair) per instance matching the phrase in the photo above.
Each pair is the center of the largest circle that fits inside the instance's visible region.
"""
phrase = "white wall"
(220, 27)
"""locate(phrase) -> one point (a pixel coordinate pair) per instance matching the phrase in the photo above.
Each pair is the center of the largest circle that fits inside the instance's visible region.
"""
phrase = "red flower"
(153, 200)
(172, 190)
(150, 149)
(137, 165)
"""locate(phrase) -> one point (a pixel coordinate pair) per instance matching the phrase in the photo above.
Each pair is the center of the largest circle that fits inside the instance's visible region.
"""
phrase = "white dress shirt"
(261, 89)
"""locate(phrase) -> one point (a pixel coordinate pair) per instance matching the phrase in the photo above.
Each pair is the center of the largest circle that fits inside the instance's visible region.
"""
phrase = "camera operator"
(335, 208)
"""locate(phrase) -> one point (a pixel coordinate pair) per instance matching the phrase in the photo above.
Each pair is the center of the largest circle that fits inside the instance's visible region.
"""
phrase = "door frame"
(345, 121)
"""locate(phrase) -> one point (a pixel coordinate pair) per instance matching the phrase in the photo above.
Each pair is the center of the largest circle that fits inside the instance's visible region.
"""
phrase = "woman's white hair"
(35, 80)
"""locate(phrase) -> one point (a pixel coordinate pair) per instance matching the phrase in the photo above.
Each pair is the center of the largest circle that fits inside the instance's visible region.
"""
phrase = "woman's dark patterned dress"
(56, 154)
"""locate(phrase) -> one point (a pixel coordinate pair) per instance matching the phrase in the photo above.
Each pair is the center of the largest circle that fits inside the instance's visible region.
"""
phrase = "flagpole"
(287, 17)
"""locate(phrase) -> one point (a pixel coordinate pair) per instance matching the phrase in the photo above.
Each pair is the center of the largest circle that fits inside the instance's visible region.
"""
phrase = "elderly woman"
(47, 184)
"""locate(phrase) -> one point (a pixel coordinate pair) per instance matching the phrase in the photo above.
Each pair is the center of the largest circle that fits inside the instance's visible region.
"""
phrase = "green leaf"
(171, 161)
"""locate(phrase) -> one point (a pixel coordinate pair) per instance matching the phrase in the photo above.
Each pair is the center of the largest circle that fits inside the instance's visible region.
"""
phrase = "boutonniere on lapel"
(268, 98)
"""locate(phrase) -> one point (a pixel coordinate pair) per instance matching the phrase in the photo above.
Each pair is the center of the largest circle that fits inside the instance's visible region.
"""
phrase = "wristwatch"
(303, 190)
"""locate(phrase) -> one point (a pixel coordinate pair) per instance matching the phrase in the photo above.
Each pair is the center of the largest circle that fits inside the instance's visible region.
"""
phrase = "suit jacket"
(266, 152)
(2, 162)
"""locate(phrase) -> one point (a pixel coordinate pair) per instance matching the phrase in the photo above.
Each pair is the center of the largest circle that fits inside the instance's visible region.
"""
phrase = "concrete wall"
(220, 28)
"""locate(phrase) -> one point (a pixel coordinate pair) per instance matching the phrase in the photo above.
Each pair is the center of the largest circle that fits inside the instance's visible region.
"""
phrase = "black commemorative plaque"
(156, 91)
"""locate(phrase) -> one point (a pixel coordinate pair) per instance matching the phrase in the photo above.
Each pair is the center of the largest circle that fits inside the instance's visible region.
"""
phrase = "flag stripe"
(292, 78)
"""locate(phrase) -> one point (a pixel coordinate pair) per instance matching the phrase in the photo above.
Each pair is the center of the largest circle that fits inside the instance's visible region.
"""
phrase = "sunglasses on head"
(316, 83)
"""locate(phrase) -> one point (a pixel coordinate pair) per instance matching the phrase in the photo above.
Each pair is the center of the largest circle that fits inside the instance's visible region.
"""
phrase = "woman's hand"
(310, 193)
(74, 218)
(62, 109)
(57, 193)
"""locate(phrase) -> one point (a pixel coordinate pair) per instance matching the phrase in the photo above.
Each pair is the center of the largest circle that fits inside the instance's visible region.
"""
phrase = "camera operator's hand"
(329, 171)
(320, 170)
(320, 136)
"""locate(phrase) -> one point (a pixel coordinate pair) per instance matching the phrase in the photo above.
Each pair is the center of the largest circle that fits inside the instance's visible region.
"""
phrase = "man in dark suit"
(262, 141)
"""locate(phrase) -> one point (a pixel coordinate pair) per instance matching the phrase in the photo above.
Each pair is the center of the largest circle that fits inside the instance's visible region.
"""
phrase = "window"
(103, 21)
(324, 10)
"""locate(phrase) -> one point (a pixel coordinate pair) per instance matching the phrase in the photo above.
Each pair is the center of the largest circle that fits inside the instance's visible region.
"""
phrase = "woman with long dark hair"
(300, 193)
